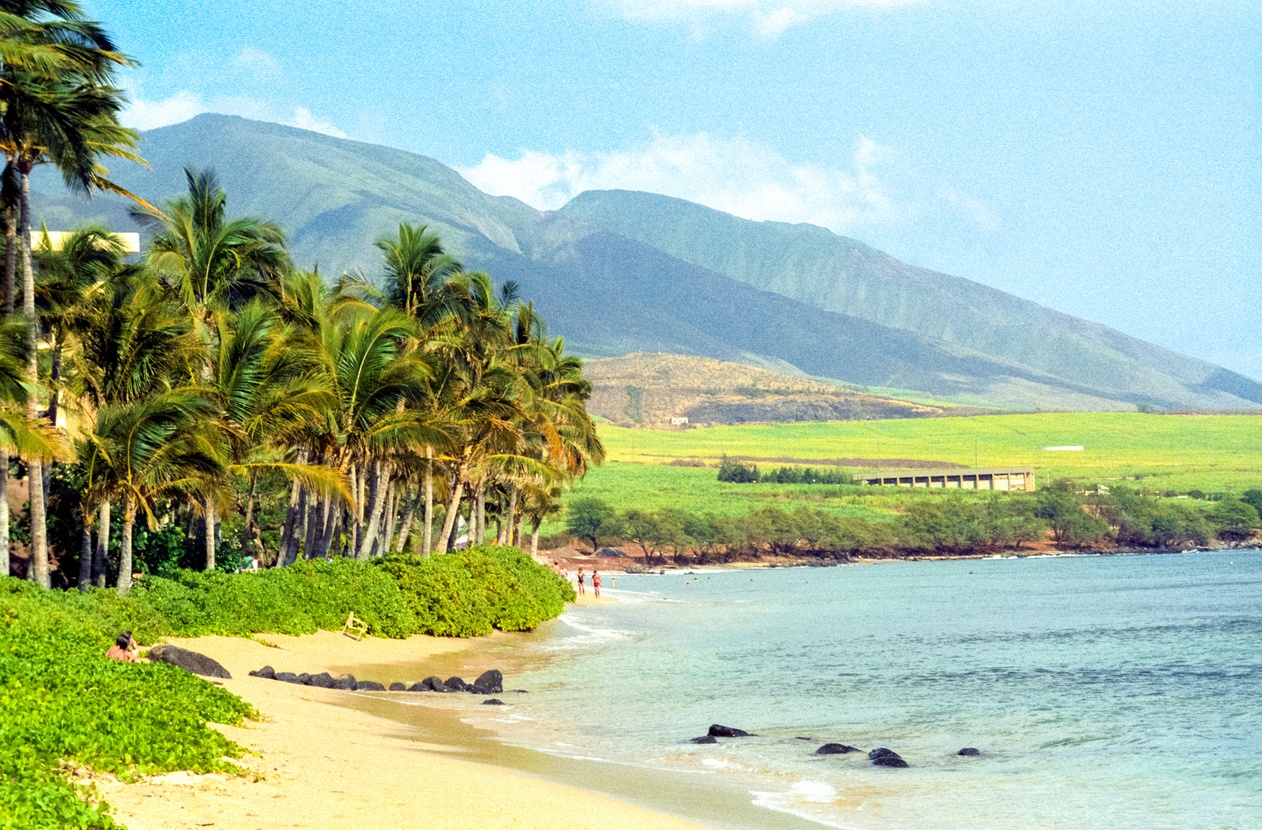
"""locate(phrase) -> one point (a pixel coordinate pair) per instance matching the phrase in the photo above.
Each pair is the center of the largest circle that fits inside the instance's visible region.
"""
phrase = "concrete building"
(990, 478)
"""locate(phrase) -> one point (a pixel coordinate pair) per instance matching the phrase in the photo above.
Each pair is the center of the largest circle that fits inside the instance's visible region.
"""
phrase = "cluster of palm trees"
(174, 386)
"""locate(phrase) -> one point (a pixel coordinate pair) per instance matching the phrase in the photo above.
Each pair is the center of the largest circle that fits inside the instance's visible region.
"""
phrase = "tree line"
(735, 472)
(937, 524)
(176, 394)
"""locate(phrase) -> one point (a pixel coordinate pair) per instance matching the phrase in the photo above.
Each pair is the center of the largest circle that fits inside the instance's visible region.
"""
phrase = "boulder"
(456, 684)
(346, 683)
(188, 660)
(286, 677)
(495, 701)
(398, 687)
(435, 684)
(704, 739)
(836, 749)
(419, 687)
(369, 686)
(489, 683)
(267, 673)
(882, 757)
(718, 731)
(304, 679)
(969, 752)
(323, 680)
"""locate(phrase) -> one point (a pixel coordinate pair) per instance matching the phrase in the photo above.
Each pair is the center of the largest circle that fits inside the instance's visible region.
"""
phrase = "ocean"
(1118, 691)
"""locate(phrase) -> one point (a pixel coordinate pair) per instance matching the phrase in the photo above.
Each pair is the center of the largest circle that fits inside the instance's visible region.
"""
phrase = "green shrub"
(61, 700)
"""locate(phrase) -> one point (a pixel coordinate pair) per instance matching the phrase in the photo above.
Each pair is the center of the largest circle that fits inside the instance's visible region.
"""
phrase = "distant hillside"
(621, 273)
(651, 389)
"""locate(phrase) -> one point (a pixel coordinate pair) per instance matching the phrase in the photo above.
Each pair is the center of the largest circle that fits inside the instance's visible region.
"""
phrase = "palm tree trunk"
(124, 556)
(376, 512)
(534, 536)
(479, 518)
(4, 512)
(405, 529)
(210, 534)
(511, 538)
(34, 466)
(453, 508)
(325, 540)
(291, 520)
(428, 540)
(101, 557)
(312, 525)
(289, 554)
(249, 502)
(85, 554)
(392, 509)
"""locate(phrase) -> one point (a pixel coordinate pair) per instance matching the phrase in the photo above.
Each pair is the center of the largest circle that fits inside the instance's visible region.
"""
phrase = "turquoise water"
(1110, 692)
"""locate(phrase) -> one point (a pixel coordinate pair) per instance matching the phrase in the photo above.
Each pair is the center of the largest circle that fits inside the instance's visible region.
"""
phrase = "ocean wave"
(797, 800)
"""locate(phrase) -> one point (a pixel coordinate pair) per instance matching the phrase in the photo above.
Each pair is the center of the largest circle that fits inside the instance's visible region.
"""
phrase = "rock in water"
(719, 731)
(323, 680)
(398, 687)
(489, 683)
(836, 749)
(369, 686)
(704, 739)
(188, 660)
(495, 701)
(456, 684)
(267, 673)
(882, 757)
(969, 752)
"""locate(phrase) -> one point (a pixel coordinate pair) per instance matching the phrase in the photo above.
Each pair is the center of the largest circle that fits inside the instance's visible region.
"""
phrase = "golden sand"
(319, 764)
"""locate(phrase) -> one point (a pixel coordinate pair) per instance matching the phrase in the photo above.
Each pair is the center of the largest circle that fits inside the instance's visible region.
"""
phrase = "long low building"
(989, 478)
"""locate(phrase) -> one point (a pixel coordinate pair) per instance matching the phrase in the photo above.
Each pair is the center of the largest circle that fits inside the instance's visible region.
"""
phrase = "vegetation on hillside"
(939, 523)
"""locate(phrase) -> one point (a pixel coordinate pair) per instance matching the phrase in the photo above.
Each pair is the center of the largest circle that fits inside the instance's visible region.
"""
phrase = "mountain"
(654, 389)
(619, 272)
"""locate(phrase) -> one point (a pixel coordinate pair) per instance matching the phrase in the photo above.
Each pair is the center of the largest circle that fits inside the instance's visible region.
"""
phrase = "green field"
(1159, 453)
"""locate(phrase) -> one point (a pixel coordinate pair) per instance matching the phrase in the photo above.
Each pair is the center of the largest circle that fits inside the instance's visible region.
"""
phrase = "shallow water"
(1101, 691)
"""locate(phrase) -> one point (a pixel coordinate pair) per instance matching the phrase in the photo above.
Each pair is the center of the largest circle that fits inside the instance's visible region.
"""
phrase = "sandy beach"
(316, 762)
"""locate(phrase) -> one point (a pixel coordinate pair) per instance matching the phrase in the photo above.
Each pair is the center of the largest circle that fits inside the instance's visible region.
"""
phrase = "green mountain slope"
(831, 272)
(616, 285)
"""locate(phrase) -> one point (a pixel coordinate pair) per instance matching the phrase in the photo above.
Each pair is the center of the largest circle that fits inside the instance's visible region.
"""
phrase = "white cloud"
(878, 189)
(769, 18)
(145, 114)
(256, 62)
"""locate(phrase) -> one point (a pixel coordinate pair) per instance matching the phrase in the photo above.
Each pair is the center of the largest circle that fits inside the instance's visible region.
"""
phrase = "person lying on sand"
(124, 649)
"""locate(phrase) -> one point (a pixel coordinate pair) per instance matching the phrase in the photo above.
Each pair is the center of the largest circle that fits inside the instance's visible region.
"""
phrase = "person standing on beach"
(596, 583)
(581, 579)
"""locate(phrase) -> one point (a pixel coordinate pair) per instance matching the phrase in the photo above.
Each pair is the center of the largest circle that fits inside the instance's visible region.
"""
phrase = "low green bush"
(471, 592)
(63, 702)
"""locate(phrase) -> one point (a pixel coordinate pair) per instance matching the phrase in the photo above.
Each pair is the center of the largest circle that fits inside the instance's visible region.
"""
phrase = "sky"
(1103, 158)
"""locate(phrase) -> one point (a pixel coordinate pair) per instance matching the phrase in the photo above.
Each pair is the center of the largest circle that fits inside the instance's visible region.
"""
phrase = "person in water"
(124, 649)
(596, 583)
(582, 589)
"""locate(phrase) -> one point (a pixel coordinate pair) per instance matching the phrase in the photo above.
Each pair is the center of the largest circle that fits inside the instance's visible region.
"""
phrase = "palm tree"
(151, 449)
(57, 108)
(214, 265)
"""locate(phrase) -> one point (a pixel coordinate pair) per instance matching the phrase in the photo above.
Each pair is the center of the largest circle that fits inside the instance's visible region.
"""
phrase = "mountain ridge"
(613, 287)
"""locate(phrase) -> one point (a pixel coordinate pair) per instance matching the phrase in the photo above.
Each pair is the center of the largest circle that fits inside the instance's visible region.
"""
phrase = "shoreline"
(323, 757)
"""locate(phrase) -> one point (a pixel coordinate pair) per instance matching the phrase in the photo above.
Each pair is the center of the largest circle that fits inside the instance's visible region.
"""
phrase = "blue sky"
(1103, 158)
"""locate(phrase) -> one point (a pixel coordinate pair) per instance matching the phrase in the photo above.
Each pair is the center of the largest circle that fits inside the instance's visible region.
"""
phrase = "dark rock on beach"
(188, 660)
(304, 679)
(323, 680)
(728, 732)
(267, 673)
(495, 701)
(435, 684)
(969, 752)
(398, 687)
(419, 687)
(882, 757)
(286, 677)
(369, 686)
(836, 749)
(489, 683)
(456, 684)
(346, 683)
(704, 739)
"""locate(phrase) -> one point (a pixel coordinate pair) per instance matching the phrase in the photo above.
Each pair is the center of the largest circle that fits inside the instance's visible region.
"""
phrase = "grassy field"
(1219, 453)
